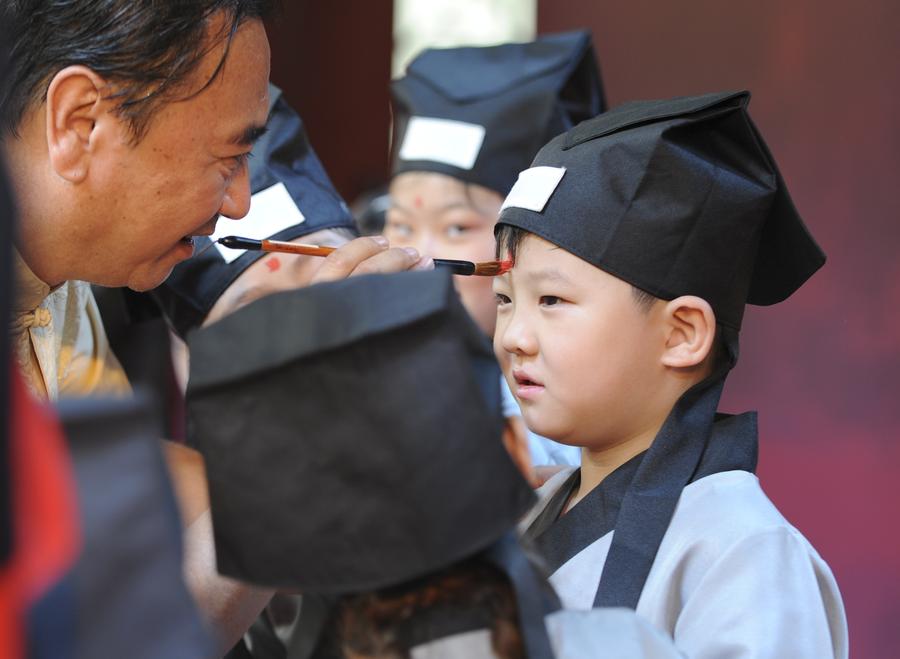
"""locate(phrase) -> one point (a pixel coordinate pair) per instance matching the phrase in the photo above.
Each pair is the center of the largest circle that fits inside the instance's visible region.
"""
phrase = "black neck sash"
(638, 499)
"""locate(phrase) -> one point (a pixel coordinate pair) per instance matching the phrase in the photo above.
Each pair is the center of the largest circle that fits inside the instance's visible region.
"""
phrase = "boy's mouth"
(524, 381)
(526, 386)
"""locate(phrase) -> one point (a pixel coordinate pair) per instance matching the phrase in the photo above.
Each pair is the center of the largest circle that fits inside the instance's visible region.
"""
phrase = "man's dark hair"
(144, 48)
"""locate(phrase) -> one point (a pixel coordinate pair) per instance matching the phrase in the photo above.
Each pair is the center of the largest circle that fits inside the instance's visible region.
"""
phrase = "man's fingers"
(367, 256)
(394, 260)
(344, 260)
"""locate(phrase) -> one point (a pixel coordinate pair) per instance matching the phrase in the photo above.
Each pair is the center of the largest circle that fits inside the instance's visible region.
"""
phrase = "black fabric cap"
(359, 448)
(282, 155)
(677, 197)
(521, 94)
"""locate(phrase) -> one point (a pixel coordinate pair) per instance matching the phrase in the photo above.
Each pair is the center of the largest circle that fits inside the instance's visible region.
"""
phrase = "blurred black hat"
(130, 568)
(677, 197)
(480, 114)
(363, 441)
(292, 197)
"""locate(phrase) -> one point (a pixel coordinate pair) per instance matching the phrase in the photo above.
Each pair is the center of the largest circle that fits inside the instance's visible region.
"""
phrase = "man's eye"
(550, 300)
(238, 162)
(501, 299)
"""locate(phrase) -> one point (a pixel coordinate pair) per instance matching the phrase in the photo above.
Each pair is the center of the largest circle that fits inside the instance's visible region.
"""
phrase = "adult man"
(126, 126)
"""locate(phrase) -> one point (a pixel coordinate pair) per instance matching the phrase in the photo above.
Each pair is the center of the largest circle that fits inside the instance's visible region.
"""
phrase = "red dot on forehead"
(273, 264)
(417, 202)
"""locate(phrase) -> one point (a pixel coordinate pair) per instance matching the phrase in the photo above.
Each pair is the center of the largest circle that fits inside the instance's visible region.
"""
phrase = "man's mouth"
(207, 229)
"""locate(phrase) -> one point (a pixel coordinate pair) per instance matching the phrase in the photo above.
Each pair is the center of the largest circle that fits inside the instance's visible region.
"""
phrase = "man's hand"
(369, 255)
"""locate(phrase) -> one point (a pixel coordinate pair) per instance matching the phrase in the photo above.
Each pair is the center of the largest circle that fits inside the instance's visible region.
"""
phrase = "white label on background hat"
(533, 188)
(442, 140)
(271, 210)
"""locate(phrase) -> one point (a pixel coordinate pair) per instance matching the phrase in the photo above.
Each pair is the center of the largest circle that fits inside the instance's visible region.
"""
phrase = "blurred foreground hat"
(677, 197)
(292, 197)
(361, 443)
(128, 588)
(480, 114)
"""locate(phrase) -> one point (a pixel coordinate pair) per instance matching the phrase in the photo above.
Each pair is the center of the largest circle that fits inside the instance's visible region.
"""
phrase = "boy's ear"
(690, 331)
(74, 105)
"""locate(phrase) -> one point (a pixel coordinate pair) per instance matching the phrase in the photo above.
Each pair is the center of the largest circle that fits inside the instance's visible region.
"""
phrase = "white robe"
(613, 633)
(732, 578)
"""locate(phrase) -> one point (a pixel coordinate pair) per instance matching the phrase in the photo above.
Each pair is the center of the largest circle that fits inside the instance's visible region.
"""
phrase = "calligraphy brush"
(484, 269)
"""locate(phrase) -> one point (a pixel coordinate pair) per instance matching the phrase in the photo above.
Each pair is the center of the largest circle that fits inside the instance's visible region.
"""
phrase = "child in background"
(638, 237)
(466, 122)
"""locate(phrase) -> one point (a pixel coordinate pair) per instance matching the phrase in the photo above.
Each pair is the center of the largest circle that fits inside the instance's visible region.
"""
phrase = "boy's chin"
(550, 431)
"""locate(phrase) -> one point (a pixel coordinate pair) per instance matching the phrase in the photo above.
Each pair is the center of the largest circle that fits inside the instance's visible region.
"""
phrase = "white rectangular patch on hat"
(451, 142)
(533, 188)
(271, 210)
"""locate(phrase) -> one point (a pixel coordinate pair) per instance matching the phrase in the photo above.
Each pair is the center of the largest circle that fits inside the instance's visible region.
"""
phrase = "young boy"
(637, 238)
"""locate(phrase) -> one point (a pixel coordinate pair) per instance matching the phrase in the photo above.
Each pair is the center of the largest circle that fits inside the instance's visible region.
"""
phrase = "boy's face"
(578, 353)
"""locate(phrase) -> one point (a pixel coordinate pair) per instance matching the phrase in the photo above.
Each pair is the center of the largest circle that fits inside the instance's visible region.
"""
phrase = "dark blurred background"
(823, 369)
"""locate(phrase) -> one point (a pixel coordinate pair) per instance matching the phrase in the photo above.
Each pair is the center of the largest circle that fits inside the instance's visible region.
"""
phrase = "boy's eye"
(501, 299)
(550, 300)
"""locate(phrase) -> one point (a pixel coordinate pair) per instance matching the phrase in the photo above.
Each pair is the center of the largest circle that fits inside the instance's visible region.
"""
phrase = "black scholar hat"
(292, 197)
(357, 449)
(677, 197)
(480, 114)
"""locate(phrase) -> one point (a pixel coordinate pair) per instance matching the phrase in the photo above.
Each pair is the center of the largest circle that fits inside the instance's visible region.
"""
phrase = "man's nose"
(236, 202)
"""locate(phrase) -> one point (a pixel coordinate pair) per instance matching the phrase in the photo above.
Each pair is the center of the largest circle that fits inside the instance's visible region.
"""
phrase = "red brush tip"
(505, 266)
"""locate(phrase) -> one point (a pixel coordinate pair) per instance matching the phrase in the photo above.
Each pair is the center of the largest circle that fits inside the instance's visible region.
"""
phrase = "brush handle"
(237, 242)
(296, 248)
(456, 267)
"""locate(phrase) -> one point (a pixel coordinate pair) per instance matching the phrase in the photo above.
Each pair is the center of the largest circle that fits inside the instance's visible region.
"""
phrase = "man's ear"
(690, 331)
(74, 103)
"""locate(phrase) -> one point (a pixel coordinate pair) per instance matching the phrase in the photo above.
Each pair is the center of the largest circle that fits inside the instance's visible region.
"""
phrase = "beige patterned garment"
(58, 339)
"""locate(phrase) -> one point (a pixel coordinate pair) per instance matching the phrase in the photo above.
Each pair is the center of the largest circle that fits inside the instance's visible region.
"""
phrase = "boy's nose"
(515, 336)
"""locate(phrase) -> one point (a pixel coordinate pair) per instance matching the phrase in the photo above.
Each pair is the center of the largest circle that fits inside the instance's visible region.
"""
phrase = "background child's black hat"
(480, 114)
(359, 449)
(292, 197)
(677, 197)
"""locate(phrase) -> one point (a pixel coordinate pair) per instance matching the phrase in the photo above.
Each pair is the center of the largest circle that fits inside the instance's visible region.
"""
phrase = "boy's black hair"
(145, 49)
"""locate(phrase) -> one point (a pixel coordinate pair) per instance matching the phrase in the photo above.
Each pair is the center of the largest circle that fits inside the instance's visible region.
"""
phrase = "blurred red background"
(823, 369)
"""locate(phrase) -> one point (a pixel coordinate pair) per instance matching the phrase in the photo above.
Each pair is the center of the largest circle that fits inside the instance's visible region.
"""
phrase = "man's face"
(578, 353)
(189, 167)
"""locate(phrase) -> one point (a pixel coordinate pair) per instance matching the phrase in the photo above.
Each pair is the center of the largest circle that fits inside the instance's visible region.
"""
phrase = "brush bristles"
(493, 268)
